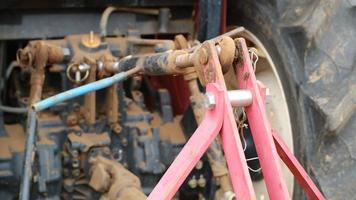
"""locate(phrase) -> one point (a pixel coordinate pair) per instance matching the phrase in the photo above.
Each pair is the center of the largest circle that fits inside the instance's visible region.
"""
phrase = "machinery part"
(90, 97)
(310, 57)
(29, 157)
(64, 133)
(77, 70)
(36, 56)
(48, 103)
(214, 152)
(13, 109)
(240, 98)
(91, 41)
(155, 64)
(277, 110)
(256, 112)
(226, 49)
(209, 101)
(112, 178)
(170, 183)
(260, 127)
(110, 9)
(44, 104)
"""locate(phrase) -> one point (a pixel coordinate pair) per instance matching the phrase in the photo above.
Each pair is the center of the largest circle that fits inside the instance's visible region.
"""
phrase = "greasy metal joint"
(226, 51)
(37, 55)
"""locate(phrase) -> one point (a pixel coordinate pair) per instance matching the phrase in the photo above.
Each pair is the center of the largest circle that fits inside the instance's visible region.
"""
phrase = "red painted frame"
(221, 119)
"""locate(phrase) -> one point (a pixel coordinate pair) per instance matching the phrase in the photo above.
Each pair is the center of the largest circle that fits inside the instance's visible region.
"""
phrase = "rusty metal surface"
(214, 153)
(36, 56)
(100, 58)
(90, 98)
(114, 180)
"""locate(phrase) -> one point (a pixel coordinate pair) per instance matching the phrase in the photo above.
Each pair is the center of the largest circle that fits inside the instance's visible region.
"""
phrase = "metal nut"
(201, 181)
(193, 182)
(209, 100)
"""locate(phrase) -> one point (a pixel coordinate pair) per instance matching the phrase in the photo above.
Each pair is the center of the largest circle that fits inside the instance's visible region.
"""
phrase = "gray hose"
(110, 9)
(16, 110)
(10, 68)
(8, 109)
(8, 72)
(104, 20)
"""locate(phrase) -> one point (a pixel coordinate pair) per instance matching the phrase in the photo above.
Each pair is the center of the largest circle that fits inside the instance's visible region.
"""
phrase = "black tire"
(312, 44)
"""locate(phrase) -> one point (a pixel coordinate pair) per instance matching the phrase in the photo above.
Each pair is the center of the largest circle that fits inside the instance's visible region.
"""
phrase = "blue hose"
(75, 92)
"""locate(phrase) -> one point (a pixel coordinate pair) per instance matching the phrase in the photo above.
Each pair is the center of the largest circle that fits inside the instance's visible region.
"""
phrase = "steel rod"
(29, 156)
(240, 97)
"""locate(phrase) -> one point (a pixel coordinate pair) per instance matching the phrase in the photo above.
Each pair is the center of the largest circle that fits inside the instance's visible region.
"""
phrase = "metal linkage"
(220, 118)
(205, 134)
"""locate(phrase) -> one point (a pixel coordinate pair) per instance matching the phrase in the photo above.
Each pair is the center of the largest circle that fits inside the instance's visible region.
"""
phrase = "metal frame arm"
(193, 150)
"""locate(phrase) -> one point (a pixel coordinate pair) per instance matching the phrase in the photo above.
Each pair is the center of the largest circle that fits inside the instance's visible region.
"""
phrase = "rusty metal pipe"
(152, 64)
(184, 60)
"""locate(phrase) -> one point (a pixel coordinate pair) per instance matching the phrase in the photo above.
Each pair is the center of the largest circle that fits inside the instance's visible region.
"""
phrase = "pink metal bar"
(235, 158)
(192, 150)
(231, 142)
(290, 160)
(297, 169)
(260, 128)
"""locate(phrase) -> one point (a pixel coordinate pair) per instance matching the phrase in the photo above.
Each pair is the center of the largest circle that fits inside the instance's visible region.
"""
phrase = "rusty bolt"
(75, 153)
(201, 181)
(124, 142)
(106, 151)
(76, 172)
(192, 182)
(209, 100)
(75, 163)
(116, 128)
(72, 119)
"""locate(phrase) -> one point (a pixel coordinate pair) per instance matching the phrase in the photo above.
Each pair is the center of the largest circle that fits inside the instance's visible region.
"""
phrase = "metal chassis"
(220, 119)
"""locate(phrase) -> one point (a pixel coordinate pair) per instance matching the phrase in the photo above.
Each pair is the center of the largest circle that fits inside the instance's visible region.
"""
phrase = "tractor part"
(214, 152)
(114, 180)
(211, 126)
(46, 103)
(36, 56)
